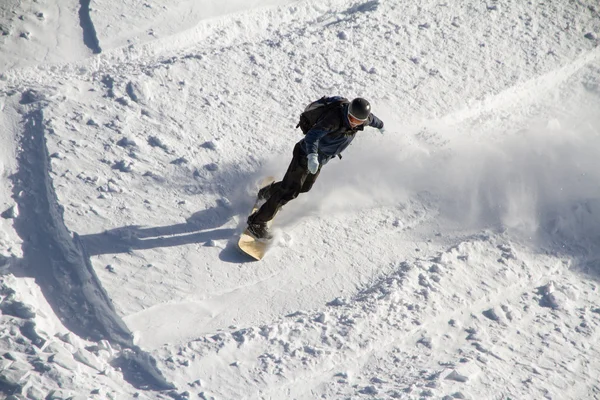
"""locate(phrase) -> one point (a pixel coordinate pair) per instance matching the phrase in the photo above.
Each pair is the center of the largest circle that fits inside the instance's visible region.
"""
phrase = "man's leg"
(268, 190)
(286, 190)
(309, 181)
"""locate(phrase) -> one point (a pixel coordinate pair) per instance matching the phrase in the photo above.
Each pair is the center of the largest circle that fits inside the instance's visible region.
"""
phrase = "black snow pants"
(297, 180)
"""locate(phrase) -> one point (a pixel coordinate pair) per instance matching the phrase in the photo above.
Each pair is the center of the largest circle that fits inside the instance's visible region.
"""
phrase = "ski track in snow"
(90, 39)
(154, 148)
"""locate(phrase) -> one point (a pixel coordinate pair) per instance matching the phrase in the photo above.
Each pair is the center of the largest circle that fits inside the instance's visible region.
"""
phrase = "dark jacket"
(332, 133)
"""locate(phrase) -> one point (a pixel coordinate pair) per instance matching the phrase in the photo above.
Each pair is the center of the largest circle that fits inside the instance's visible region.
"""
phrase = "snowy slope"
(39, 33)
(453, 256)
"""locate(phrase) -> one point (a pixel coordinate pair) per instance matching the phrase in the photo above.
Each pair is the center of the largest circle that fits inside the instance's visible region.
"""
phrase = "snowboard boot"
(259, 231)
(265, 192)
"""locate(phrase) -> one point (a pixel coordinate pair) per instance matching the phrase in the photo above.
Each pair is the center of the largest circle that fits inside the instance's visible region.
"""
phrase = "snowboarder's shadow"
(201, 227)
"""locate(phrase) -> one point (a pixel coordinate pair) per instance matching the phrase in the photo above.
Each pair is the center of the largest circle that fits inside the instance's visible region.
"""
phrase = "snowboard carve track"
(90, 39)
(60, 264)
(521, 93)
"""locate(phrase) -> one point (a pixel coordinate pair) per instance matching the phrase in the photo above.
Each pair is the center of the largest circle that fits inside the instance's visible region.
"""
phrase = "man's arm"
(312, 138)
(324, 126)
(375, 122)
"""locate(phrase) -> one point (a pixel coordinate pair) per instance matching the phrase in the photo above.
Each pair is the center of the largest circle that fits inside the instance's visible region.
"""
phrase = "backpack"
(315, 110)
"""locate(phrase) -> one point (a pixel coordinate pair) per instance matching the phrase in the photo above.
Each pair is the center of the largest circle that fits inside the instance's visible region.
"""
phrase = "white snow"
(455, 256)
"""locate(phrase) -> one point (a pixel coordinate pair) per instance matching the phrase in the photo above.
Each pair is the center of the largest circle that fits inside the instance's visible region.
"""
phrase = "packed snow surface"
(454, 256)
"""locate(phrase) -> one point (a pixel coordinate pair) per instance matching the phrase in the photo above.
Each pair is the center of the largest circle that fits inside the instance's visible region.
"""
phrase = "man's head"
(358, 112)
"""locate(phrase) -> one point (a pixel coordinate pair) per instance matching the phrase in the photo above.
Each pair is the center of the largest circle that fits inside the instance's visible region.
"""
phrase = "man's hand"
(313, 163)
(382, 131)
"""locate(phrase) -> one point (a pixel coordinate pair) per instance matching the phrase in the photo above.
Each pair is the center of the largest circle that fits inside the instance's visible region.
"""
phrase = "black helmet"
(360, 109)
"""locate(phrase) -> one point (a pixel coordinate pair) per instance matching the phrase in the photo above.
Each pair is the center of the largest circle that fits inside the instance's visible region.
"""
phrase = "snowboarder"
(326, 138)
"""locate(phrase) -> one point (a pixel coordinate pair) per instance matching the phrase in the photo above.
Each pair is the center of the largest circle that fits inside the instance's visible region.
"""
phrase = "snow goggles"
(355, 121)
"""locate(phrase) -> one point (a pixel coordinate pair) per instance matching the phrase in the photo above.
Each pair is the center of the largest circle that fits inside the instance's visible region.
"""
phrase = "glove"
(313, 163)
(382, 131)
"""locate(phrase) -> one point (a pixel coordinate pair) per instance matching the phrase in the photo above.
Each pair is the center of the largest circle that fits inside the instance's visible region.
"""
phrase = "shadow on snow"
(201, 227)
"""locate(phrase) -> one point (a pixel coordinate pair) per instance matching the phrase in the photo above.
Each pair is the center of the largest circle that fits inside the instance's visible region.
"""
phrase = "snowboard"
(248, 244)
